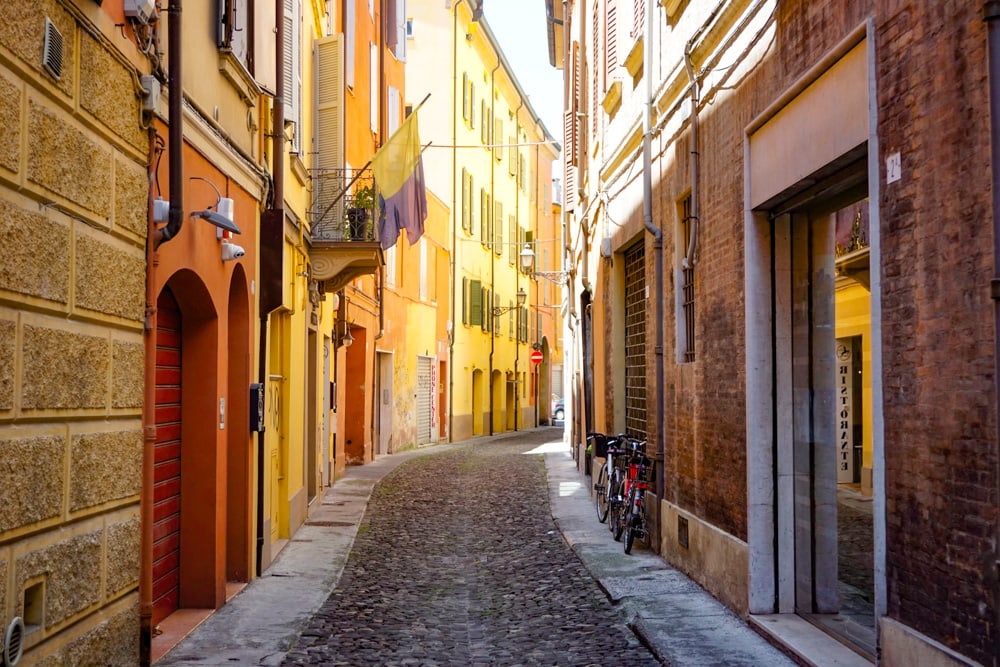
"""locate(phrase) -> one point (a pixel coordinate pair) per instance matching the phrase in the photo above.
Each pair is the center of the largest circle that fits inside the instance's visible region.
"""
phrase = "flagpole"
(358, 172)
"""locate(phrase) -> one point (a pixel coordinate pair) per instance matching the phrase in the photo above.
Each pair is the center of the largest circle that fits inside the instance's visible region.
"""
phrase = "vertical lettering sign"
(845, 409)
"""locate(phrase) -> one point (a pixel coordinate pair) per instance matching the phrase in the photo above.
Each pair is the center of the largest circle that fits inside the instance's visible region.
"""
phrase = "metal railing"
(345, 205)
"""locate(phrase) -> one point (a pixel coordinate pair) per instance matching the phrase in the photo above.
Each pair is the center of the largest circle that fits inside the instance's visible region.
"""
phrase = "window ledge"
(233, 70)
(613, 98)
(633, 61)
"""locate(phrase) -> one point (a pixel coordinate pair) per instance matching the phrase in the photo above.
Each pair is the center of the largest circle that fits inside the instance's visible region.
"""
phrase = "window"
(390, 266)
(497, 139)
(424, 272)
(498, 228)
(466, 201)
(466, 102)
(373, 49)
(401, 30)
(349, 30)
(409, 28)
(512, 156)
(687, 280)
(636, 305)
(293, 71)
(484, 129)
(234, 19)
(486, 216)
(475, 303)
(513, 253)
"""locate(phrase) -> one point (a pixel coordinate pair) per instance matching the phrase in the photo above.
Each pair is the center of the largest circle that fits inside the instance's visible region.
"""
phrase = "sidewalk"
(680, 622)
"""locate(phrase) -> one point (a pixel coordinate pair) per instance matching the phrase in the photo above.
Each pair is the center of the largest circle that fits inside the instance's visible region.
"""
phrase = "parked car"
(558, 411)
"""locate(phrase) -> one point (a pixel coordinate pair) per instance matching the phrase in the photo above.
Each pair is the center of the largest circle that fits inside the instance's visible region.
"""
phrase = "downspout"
(517, 262)
(454, 225)
(991, 14)
(148, 428)
(489, 212)
(278, 199)
(657, 233)
(383, 126)
(175, 108)
(690, 256)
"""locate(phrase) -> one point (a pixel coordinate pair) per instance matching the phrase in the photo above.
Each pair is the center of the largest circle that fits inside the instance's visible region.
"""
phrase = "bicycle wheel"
(621, 512)
(614, 483)
(601, 491)
(636, 523)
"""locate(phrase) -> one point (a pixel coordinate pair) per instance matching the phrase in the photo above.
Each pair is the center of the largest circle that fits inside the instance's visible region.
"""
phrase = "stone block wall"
(73, 201)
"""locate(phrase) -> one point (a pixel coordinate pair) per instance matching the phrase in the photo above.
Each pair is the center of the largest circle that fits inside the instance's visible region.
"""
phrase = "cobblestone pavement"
(458, 562)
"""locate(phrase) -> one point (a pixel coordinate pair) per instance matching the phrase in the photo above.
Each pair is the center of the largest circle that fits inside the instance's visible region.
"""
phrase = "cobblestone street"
(458, 562)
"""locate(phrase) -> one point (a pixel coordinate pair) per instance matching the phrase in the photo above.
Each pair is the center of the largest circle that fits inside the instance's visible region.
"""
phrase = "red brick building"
(783, 228)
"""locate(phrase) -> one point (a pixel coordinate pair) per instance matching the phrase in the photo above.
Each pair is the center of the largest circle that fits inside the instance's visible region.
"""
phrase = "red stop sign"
(536, 357)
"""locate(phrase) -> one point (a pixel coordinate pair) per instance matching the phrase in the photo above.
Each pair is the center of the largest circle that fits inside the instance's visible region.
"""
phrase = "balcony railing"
(345, 206)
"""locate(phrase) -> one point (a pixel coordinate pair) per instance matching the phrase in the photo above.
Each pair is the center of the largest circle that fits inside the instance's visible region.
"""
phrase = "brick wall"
(937, 322)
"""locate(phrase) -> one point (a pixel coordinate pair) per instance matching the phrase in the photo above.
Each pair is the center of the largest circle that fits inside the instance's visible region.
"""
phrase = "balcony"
(345, 230)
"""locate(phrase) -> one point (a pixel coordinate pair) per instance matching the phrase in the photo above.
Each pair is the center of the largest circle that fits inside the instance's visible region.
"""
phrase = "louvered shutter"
(610, 43)
(638, 18)
(329, 140)
(475, 302)
(498, 228)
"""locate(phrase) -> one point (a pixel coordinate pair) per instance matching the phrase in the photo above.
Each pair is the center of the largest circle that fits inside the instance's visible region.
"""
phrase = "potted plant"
(359, 212)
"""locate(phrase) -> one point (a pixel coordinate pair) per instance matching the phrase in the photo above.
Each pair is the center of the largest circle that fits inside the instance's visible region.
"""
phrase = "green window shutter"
(498, 228)
(465, 95)
(465, 300)
(475, 302)
(466, 204)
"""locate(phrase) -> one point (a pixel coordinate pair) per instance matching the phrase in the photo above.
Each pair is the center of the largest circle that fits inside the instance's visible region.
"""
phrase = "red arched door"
(167, 466)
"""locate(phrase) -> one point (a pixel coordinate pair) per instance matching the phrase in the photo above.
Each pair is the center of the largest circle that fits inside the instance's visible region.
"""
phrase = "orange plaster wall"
(191, 264)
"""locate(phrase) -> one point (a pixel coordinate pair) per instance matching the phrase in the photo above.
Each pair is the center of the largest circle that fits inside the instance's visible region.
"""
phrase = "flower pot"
(357, 223)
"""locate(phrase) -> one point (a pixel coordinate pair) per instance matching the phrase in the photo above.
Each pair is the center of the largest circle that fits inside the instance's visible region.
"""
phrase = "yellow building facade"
(491, 157)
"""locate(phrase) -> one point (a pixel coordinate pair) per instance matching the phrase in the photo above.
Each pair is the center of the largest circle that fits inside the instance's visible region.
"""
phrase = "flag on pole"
(399, 173)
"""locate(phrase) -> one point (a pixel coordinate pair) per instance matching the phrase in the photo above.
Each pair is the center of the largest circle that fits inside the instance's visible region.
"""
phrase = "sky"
(519, 26)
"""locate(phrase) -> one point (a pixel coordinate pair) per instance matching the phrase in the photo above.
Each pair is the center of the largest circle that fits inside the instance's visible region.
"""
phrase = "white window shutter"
(329, 138)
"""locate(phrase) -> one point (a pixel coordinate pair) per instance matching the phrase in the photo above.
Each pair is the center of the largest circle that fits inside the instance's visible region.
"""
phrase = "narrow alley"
(481, 553)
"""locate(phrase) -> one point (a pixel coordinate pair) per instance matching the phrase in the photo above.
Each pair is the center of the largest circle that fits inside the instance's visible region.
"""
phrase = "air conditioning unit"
(140, 10)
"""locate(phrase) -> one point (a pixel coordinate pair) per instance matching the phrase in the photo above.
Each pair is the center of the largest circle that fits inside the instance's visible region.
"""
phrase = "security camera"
(232, 251)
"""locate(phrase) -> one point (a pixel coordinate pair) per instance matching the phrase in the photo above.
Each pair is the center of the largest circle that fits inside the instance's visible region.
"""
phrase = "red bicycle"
(631, 516)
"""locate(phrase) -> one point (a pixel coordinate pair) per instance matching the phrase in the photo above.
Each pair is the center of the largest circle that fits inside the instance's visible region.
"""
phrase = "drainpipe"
(690, 258)
(175, 102)
(148, 427)
(517, 262)
(454, 226)
(277, 199)
(991, 15)
(657, 233)
(489, 212)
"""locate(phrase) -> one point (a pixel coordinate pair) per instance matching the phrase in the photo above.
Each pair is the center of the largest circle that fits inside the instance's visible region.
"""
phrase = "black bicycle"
(609, 478)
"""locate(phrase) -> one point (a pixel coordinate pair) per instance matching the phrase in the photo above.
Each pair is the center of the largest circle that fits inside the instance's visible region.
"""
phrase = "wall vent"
(13, 643)
(52, 53)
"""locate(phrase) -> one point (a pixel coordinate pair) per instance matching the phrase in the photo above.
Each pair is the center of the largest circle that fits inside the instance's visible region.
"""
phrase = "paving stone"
(458, 562)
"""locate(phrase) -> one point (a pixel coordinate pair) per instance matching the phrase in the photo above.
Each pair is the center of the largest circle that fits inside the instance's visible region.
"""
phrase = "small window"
(687, 279)
(409, 28)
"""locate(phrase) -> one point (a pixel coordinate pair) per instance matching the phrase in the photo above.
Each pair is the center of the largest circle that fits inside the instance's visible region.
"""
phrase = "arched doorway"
(239, 445)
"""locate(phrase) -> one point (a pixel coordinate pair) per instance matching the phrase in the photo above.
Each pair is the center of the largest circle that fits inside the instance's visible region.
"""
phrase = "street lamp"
(528, 258)
(522, 296)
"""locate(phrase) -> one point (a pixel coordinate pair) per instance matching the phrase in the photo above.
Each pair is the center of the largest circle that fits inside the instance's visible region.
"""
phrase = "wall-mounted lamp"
(342, 333)
(522, 296)
(527, 256)
(222, 216)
